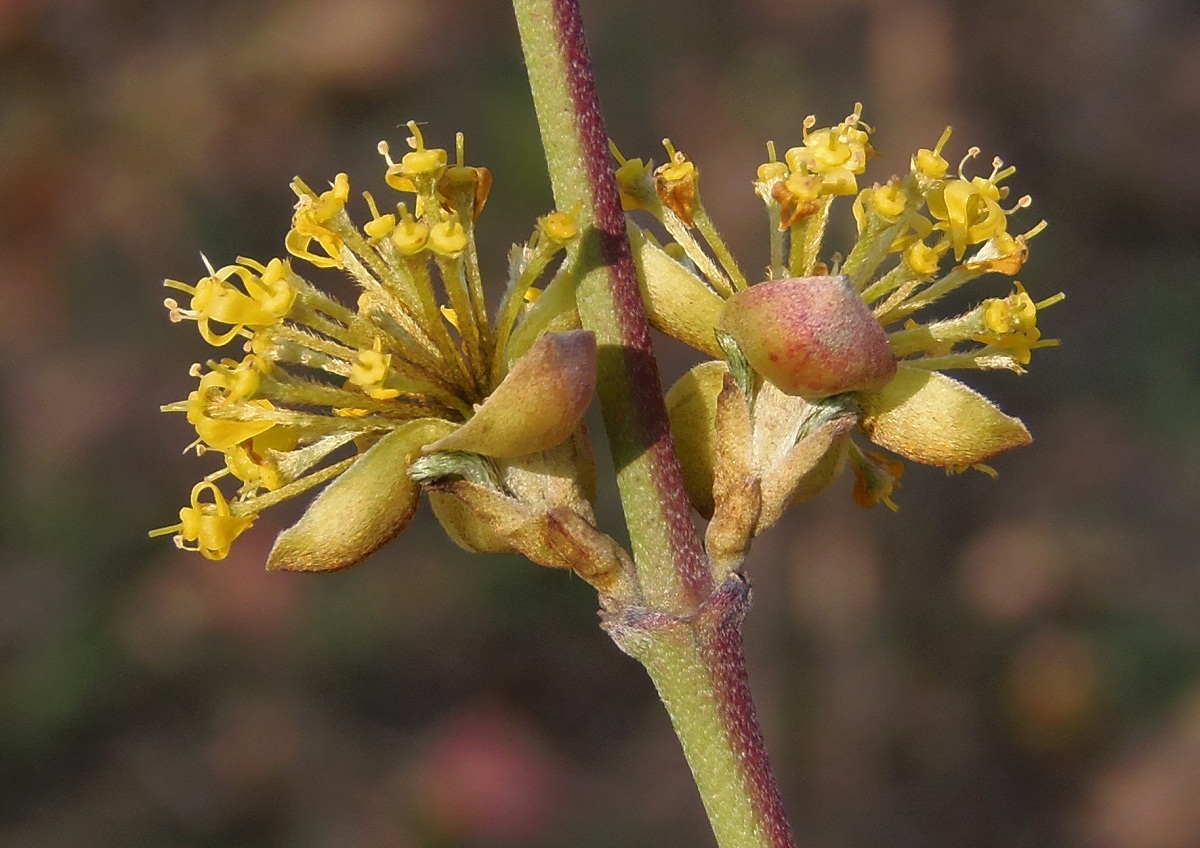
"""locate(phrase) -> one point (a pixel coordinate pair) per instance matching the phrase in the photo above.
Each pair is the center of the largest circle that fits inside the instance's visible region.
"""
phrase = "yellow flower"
(414, 387)
(822, 348)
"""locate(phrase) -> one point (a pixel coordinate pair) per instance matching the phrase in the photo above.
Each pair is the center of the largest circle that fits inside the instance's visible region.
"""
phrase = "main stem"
(684, 627)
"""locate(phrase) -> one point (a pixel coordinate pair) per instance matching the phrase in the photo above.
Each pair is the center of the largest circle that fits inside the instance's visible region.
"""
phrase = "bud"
(810, 336)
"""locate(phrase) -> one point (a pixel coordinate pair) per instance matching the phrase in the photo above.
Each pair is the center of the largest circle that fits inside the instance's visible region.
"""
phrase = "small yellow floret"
(922, 259)
(418, 169)
(253, 461)
(1016, 313)
(370, 369)
(221, 388)
(448, 238)
(968, 211)
(676, 183)
(410, 236)
(929, 163)
(559, 227)
(210, 525)
(308, 224)
(380, 226)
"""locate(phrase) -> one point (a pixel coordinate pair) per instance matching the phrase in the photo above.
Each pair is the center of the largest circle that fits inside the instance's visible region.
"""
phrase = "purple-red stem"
(647, 420)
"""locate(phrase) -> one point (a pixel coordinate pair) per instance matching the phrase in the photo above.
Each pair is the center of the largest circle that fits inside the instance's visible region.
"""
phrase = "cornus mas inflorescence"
(414, 386)
(826, 347)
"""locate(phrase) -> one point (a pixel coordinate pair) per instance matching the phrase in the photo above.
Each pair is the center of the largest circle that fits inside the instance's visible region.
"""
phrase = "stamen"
(416, 141)
(971, 154)
(371, 205)
(612, 148)
(945, 137)
(1041, 225)
(385, 151)
(1023, 202)
(178, 286)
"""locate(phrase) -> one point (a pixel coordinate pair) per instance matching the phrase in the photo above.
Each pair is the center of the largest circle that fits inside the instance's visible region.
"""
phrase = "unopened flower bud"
(810, 336)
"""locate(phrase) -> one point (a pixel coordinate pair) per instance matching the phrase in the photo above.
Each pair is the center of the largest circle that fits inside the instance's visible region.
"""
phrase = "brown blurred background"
(1002, 663)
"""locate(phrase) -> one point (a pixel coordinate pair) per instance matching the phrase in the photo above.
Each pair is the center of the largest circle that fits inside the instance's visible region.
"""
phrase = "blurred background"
(1003, 663)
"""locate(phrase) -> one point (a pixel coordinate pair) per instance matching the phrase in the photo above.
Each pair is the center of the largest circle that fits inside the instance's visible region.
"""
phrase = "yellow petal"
(928, 417)
(677, 301)
(537, 405)
(692, 407)
(363, 509)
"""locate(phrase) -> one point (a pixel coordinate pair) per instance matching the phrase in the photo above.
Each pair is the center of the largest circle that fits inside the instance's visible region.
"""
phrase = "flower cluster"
(413, 387)
(826, 347)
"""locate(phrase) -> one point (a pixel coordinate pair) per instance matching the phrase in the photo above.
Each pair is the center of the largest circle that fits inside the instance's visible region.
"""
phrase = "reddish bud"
(810, 336)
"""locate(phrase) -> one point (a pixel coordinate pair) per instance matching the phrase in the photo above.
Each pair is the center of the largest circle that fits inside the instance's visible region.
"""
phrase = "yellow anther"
(448, 238)
(1016, 313)
(971, 153)
(450, 315)
(836, 153)
(1012, 323)
(269, 287)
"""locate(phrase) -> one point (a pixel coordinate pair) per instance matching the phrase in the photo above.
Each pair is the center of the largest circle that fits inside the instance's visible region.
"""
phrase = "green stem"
(684, 629)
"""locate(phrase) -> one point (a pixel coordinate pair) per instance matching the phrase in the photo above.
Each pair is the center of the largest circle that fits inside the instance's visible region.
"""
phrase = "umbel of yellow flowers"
(822, 349)
(414, 386)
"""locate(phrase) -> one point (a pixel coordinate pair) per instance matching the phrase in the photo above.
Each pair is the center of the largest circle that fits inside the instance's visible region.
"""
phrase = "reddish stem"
(646, 422)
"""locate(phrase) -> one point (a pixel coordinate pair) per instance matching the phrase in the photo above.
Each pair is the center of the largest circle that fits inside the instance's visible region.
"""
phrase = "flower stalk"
(686, 626)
